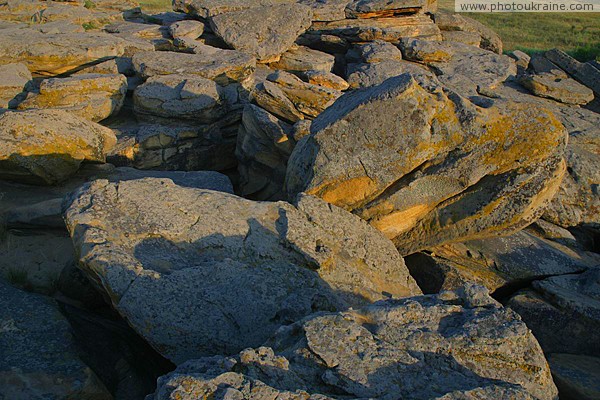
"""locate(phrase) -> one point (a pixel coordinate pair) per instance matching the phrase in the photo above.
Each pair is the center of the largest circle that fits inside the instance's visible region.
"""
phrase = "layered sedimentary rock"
(13, 81)
(47, 146)
(187, 249)
(453, 346)
(426, 166)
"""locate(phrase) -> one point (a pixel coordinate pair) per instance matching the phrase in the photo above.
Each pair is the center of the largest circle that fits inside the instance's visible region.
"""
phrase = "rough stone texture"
(287, 97)
(565, 90)
(210, 8)
(327, 10)
(53, 54)
(563, 312)
(263, 32)
(577, 377)
(39, 355)
(326, 79)
(91, 96)
(188, 97)
(426, 51)
(386, 8)
(456, 22)
(387, 29)
(426, 167)
(47, 146)
(378, 51)
(169, 267)
(583, 72)
(496, 263)
(222, 66)
(263, 148)
(366, 75)
(180, 145)
(186, 29)
(459, 345)
(303, 58)
(13, 81)
(470, 38)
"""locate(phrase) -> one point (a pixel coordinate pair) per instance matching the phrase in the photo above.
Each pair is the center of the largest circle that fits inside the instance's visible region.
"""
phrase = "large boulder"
(425, 166)
(40, 358)
(459, 345)
(47, 146)
(90, 96)
(170, 257)
(263, 32)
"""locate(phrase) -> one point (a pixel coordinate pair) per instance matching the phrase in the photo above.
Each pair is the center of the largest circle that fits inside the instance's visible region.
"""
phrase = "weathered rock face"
(47, 146)
(427, 167)
(188, 248)
(90, 96)
(222, 66)
(264, 32)
(419, 348)
(39, 355)
(301, 59)
(558, 88)
(13, 81)
(209, 8)
(576, 376)
(187, 97)
(448, 22)
(563, 312)
(57, 53)
(496, 263)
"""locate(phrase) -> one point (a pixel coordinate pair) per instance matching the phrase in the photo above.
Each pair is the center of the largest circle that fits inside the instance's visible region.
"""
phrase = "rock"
(378, 51)
(366, 75)
(91, 96)
(563, 312)
(39, 354)
(110, 67)
(209, 8)
(390, 154)
(456, 22)
(521, 58)
(54, 54)
(541, 65)
(577, 201)
(326, 79)
(263, 32)
(187, 97)
(264, 145)
(583, 72)
(577, 377)
(222, 66)
(327, 10)
(187, 248)
(426, 51)
(386, 8)
(469, 38)
(560, 89)
(323, 42)
(33, 209)
(47, 146)
(181, 146)
(302, 59)
(500, 263)
(287, 97)
(457, 345)
(387, 29)
(186, 29)
(13, 81)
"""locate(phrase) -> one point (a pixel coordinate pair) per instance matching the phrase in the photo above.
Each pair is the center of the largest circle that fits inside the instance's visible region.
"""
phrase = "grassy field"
(578, 34)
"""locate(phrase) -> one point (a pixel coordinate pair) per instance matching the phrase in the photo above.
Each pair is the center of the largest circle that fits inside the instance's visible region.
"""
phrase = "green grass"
(576, 33)
(155, 6)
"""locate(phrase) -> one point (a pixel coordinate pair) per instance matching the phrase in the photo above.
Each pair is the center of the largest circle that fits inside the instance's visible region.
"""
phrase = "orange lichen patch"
(346, 193)
(397, 222)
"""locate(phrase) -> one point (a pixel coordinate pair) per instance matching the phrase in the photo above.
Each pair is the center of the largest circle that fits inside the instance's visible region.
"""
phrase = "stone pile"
(293, 198)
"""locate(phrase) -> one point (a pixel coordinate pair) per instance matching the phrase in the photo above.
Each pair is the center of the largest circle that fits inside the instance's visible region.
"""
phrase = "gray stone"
(326, 79)
(300, 59)
(186, 29)
(457, 22)
(378, 51)
(327, 10)
(577, 377)
(170, 266)
(366, 75)
(222, 66)
(91, 96)
(47, 146)
(399, 156)
(187, 97)
(39, 354)
(210, 8)
(583, 72)
(386, 8)
(459, 345)
(13, 81)
(469, 38)
(565, 90)
(263, 32)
